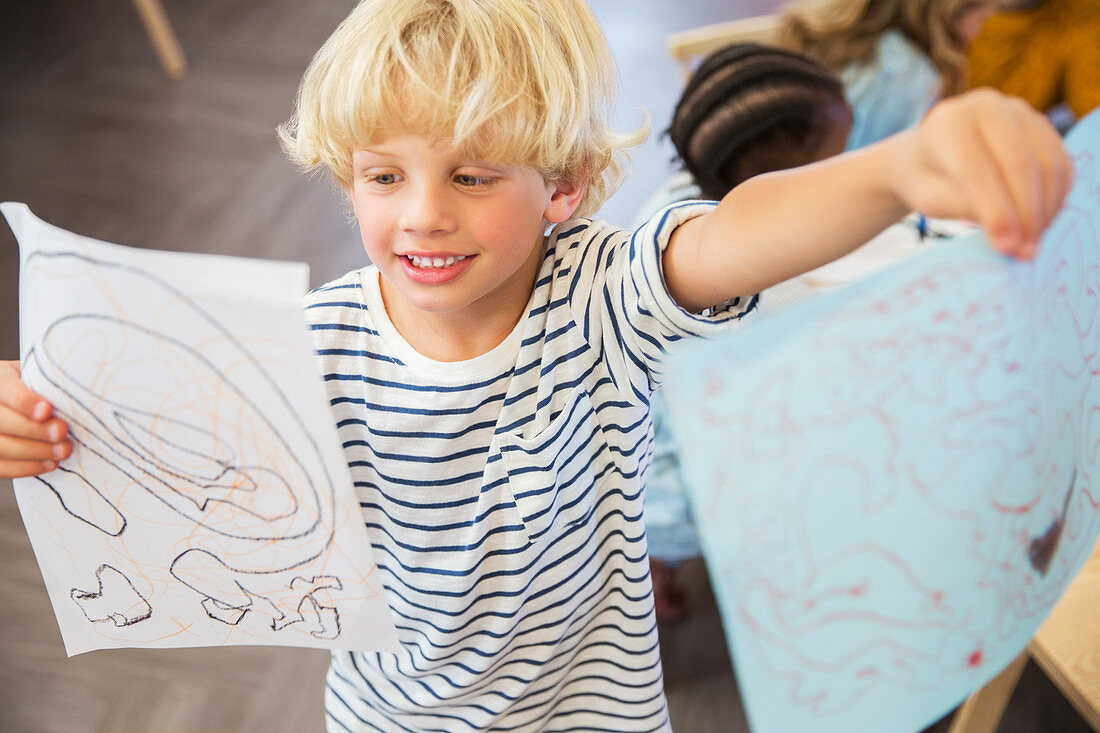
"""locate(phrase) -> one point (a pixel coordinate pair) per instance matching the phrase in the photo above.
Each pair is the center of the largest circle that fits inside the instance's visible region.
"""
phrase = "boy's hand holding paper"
(897, 480)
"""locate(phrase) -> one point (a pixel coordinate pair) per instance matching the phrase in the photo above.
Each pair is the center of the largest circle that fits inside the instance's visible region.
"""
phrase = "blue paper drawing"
(895, 482)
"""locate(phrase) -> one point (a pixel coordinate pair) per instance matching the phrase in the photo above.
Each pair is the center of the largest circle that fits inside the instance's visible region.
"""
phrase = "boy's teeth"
(418, 261)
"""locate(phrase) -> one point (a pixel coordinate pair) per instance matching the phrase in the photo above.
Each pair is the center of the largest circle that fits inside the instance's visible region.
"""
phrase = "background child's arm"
(31, 441)
(980, 156)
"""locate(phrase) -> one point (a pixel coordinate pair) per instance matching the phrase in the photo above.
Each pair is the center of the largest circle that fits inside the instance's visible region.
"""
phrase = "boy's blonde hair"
(841, 32)
(527, 82)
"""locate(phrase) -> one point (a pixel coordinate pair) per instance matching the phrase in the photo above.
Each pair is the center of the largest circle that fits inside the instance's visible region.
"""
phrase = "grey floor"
(94, 140)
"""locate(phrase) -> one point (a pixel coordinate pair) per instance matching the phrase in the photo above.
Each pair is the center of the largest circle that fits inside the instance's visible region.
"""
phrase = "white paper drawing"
(207, 501)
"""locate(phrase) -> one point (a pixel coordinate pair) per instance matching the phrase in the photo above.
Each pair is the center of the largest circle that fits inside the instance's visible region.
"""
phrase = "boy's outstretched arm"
(981, 156)
(31, 440)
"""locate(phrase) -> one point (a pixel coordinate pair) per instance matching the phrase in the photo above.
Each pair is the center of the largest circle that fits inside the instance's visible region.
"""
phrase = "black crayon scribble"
(227, 599)
(187, 441)
(116, 600)
(101, 514)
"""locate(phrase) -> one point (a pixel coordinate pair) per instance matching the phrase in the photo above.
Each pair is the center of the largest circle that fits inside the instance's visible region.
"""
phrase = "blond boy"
(491, 381)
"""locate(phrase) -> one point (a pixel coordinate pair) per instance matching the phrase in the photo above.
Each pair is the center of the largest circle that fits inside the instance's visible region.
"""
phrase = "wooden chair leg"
(983, 710)
(163, 38)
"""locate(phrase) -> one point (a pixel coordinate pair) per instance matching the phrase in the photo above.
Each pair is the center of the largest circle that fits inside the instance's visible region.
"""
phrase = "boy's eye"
(382, 179)
(468, 179)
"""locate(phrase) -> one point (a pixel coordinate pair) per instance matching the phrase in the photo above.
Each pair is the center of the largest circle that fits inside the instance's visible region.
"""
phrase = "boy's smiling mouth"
(426, 261)
(434, 269)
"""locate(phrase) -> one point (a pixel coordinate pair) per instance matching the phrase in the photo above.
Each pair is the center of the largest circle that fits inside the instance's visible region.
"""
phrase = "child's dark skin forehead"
(836, 120)
(832, 124)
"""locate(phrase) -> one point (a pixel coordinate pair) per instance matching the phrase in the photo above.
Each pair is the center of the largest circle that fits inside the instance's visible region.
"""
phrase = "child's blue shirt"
(503, 495)
(890, 93)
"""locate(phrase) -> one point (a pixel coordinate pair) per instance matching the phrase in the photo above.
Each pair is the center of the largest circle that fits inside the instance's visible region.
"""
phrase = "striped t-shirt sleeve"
(619, 297)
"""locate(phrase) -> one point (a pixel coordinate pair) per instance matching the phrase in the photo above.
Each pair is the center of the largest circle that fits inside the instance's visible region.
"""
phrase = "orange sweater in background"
(1048, 55)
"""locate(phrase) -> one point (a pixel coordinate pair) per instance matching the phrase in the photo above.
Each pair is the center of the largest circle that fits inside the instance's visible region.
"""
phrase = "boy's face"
(452, 236)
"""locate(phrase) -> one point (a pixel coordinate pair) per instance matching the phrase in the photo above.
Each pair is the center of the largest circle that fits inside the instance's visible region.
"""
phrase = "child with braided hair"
(747, 109)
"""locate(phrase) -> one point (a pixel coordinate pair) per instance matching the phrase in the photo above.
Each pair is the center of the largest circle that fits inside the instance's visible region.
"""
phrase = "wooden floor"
(94, 140)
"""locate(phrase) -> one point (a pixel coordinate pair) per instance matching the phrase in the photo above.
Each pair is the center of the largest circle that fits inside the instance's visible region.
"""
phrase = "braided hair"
(749, 109)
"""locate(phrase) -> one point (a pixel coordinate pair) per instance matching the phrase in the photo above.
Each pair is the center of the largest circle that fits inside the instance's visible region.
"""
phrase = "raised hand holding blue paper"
(895, 482)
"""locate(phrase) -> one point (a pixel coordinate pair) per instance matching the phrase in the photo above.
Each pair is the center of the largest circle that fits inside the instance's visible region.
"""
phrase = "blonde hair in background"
(519, 81)
(841, 32)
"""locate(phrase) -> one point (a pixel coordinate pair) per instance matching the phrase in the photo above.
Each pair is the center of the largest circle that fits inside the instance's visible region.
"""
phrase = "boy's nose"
(428, 211)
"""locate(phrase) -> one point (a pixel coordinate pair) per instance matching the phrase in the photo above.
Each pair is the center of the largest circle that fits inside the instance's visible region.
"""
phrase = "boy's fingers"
(1056, 165)
(971, 165)
(1006, 137)
(18, 396)
(31, 442)
(15, 424)
(1069, 174)
(22, 469)
(22, 449)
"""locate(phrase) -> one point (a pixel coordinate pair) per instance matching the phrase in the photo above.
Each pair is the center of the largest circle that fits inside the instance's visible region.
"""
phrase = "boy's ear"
(565, 197)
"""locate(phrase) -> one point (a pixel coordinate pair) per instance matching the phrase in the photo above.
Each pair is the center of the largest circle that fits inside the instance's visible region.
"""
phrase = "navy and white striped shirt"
(503, 496)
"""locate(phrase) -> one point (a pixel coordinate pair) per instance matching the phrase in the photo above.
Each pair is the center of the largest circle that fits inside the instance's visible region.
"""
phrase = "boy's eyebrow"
(462, 161)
